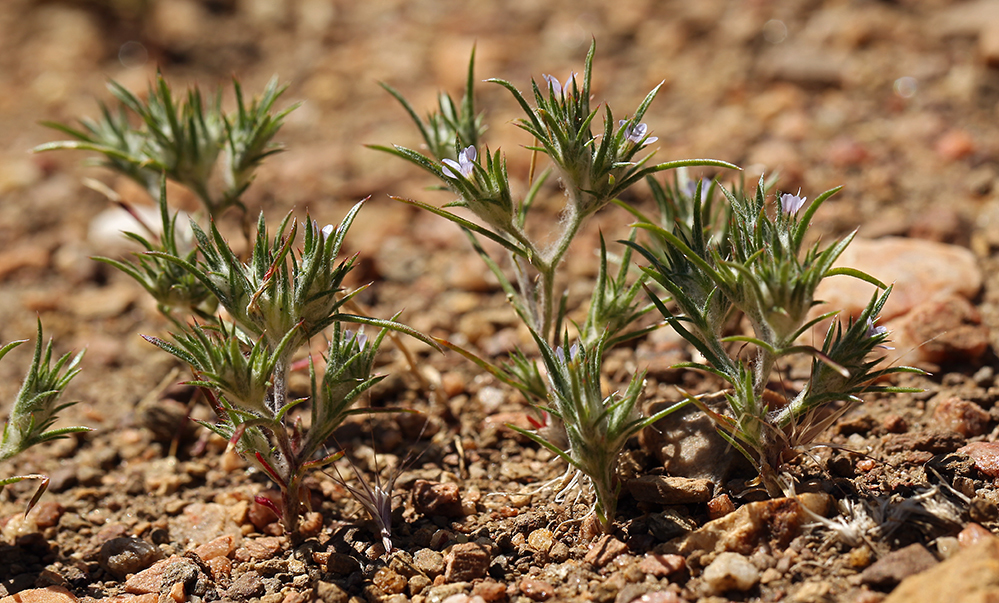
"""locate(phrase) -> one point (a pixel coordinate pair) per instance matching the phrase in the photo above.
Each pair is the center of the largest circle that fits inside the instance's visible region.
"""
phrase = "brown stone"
(660, 565)
(536, 590)
(720, 506)
(604, 550)
(431, 498)
(897, 566)
(466, 562)
(966, 418)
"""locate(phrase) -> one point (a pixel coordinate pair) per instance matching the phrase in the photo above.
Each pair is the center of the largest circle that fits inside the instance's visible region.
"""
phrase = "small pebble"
(972, 534)
(540, 540)
(730, 571)
(431, 498)
(536, 590)
(985, 455)
(898, 565)
(389, 581)
(720, 506)
(604, 550)
(966, 418)
(489, 590)
(660, 566)
(466, 562)
(122, 556)
(429, 562)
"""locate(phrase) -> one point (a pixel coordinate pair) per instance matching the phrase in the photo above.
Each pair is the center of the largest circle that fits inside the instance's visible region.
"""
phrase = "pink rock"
(222, 546)
(50, 594)
(921, 270)
(150, 580)
(948, 329)
(972, 534)
(466, 562)
(604, 550)
(985, 455)
(966, 418)
(955, 144)
(660, 565)
(260, 548)
(536, 590)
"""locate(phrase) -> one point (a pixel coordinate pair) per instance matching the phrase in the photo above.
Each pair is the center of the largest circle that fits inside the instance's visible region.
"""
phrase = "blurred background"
(895, 100)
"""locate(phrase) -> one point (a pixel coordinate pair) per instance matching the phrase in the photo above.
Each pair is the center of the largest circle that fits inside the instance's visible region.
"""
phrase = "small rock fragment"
(604, 550)
(730, 571)
(941, 330)
(389, 581)
(985, 455)
(540, 540)
(461, 598)
(966, 418)
(246, 587)
(264, 547)
(777, 520)
(328, 592)
(898, 565)
(342, 564)
(122, 556)
(666, 490)
(687, 443)
(720, 506)
(429, 561)
(661, 566)
(430, 498)
(536, 590)
(972, 534)
(893, 423)
(466, 562)
(489, 590)
(222, 546)
(49, 594)
(955, 144)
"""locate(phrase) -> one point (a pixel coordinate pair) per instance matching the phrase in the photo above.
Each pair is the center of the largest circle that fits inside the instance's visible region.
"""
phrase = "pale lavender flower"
(636, 133)
(877, 331)
(691, 188)
(465, 164)
(791, 204)
(573, 353)
(327, 230)
(556, 86)
(553, 84)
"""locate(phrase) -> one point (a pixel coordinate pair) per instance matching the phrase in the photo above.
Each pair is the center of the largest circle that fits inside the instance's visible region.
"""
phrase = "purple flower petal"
(791, 204)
